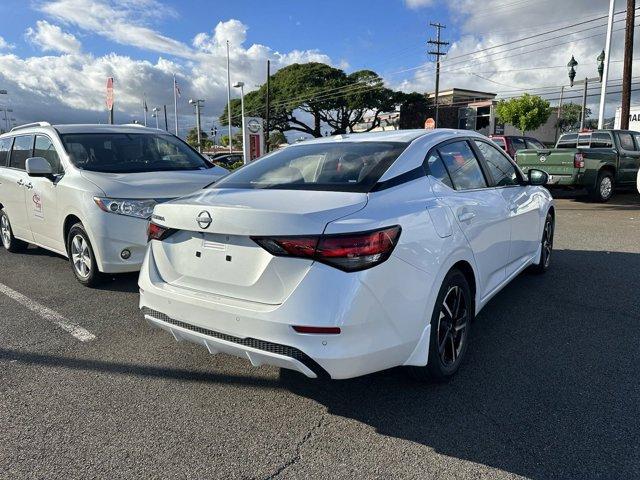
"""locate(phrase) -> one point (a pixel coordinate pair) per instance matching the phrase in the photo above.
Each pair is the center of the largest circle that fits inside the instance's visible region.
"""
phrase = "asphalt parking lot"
(549, 390)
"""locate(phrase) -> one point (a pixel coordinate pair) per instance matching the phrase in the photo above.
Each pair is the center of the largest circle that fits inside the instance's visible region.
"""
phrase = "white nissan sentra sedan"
(87, 191)
(342, 256)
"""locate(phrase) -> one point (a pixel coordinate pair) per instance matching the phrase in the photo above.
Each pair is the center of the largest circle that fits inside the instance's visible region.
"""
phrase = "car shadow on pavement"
(549, 388)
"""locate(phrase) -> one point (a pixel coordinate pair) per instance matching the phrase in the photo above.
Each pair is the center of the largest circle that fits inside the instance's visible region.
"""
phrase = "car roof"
(402, 136)
(82, 128)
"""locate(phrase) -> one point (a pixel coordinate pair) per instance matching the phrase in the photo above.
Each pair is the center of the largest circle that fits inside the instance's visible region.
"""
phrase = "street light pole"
(6, 122)
(240, 85)
(605, 74)
(229, 98)
(584, 104)
(197, 104)
(155, 114)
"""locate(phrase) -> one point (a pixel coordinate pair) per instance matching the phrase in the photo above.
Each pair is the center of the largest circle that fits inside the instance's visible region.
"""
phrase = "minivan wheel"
(82, 258)
(603, 190)
(11, 243)
(450, 325)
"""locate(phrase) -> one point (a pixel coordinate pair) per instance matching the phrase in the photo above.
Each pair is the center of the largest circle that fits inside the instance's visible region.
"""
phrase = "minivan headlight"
(123, 206)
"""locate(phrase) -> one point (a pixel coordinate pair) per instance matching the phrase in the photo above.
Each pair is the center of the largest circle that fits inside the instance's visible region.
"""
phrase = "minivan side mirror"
(39, 167)
(537, 177)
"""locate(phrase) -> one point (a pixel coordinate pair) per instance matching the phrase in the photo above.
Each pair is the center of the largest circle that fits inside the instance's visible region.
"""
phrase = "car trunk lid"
(212, 250)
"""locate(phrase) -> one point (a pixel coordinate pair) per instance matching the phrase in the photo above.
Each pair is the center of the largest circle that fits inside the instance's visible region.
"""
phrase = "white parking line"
(54, 317)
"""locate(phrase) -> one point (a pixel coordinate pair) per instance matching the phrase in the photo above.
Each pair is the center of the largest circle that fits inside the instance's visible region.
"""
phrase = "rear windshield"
(131, 152)
(568, 140)
(344, 166)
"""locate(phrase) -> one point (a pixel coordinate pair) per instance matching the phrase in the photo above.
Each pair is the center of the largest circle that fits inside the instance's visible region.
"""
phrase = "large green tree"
(306, 97)
(192, 139)
(570, 116)
(526, 113)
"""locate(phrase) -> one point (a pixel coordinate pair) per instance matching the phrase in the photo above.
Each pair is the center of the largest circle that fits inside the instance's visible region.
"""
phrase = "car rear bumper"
(370, 338)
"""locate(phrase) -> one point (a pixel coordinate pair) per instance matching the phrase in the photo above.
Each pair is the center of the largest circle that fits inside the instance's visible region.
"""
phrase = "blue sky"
(55, 55)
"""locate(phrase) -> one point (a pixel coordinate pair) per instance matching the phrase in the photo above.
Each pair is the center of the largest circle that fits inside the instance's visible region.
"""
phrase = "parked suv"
(87, 191)
(512, 143)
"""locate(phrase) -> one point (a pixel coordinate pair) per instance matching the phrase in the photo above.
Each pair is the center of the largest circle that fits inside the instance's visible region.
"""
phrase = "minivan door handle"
(466, 216)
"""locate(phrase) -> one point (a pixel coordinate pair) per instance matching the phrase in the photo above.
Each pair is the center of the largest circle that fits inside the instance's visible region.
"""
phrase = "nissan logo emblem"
(204, 219)
(543, 159)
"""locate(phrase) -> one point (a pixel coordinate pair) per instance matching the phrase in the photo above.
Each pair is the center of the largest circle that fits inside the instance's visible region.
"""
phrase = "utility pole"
(607, 56)
(438, 53)
(559, 112)
(627, 65)
(166, 123)
(583, 114)
(266, 119)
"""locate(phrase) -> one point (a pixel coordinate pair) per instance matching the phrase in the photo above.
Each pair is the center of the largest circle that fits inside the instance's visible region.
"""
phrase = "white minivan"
(88, 191)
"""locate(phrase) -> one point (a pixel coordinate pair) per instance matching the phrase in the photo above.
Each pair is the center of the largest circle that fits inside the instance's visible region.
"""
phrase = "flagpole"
(229, 99)
(144, 107)
(175, 103)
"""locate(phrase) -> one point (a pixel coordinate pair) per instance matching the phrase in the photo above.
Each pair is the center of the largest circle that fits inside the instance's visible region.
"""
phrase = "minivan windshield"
(131, 152)
(339, 166)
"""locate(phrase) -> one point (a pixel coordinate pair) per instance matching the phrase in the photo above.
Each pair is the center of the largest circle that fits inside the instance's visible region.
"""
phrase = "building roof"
(462, 92)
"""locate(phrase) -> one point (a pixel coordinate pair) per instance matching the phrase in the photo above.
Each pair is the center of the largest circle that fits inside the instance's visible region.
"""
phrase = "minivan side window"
(462, 165)
(5, 146)
(22, 148)
(44, 148)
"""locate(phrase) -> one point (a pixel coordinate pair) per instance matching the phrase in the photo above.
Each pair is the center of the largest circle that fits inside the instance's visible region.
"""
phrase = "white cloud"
(51, 38)
(483, 24)
(415, 4)
(4, 45)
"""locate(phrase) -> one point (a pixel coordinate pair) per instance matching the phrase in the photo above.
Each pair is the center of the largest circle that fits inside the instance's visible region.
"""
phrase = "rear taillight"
(578, 160)
(349, 252)
(156, 232)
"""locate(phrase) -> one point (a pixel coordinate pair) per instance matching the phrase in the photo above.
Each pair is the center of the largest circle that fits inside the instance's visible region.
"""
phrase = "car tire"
(82, 258)
(10, 243)
(603, 189)
(546, 246)
(450, 324)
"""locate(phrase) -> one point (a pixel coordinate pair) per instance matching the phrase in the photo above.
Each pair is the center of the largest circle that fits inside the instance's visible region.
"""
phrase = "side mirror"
(537, 177)
(38, 167)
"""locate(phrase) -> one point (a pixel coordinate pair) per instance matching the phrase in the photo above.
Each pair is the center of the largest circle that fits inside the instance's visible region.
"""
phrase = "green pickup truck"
(599, 161)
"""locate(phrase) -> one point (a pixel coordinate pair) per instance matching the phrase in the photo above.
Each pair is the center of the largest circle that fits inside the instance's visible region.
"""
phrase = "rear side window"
(601, 140)
(44, 148)
(568, 140)
(462, 165)
(626, 141)
(437, 169)
(584, 140)
(22, 147)
(518, 144)
(5, 146)
(502, 170)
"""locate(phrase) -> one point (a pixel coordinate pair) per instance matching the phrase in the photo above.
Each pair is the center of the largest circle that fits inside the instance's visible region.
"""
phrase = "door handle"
(466, 216)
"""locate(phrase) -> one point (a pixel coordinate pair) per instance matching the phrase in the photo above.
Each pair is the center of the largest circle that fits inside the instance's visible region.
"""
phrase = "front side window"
(339, 166)
(462, 165)
(131, 152)
(601, 140)
(437, 169)
(517, 143)
(44, 148)
(22, 147)
(534, 144)
(626, 141)
(502, 170)
(5, 147)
